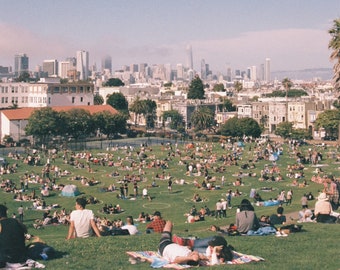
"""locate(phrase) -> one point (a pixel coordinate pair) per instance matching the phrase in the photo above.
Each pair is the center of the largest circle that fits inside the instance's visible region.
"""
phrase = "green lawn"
(315, 248)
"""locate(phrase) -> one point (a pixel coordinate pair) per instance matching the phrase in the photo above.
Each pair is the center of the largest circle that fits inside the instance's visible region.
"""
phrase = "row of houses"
(268, 112)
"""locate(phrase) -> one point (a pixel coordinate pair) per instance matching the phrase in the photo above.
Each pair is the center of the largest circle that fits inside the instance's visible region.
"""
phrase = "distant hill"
(324, 74)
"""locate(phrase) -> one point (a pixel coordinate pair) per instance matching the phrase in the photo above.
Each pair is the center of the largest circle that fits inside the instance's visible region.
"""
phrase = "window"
(81, 89)
(81, 99)
(73, 89)
(65, 90)
(56, 89)
(73, 99)
(49, 100)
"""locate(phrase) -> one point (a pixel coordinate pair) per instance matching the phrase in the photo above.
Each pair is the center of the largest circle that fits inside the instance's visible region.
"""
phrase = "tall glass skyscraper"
(21, 63)
(83, 65)
(190, 63)
(107, 63)
(267, 70)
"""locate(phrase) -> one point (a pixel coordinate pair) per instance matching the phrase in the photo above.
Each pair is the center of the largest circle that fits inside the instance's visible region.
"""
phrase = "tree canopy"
(98, 99)
(203, 118)
(238, 127)
(114, 82)
(289, 93)
(119, 102)
(219, 87)
(176, 119)
(329, 120)
(284, 129)
(196, 89)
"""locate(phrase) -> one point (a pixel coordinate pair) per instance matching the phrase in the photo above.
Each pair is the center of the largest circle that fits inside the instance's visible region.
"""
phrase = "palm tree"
(137, 107)
(334, 44)
(202, 118)
(287, 84)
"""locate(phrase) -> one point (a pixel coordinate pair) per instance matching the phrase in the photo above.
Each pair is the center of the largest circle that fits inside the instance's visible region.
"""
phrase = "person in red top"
(157, 224)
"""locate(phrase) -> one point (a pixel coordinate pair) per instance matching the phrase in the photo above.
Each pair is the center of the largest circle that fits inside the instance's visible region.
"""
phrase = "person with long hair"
(246, 218)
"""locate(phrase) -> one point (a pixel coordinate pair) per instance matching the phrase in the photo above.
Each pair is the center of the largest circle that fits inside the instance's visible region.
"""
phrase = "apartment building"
(45, 94)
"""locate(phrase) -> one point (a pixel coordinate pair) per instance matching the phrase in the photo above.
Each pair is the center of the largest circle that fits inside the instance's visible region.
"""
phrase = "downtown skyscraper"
(21, 63)
(190, 62)
(83, 65)
(267, 70)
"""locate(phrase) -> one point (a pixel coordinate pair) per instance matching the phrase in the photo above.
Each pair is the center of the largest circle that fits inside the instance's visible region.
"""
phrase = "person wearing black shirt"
(12, 239)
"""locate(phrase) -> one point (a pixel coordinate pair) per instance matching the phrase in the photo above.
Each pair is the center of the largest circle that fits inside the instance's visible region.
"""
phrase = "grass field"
(315, 248)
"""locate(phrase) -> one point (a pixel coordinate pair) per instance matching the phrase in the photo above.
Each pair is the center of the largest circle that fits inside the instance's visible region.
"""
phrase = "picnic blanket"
(157, 261)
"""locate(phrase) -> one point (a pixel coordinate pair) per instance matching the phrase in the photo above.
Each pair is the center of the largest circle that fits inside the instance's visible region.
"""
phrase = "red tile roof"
(25, 113)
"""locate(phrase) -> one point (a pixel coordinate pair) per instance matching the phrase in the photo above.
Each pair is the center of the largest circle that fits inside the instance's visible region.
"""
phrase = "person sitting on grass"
(157, 224)
(278, 218)
(82, 221)
(130, 226)
(12, 239)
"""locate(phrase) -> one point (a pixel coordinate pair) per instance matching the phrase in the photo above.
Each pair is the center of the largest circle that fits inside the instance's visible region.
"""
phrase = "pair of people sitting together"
(207, 251)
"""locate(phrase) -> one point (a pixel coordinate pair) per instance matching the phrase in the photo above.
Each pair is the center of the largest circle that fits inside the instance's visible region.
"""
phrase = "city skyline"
(293, 34)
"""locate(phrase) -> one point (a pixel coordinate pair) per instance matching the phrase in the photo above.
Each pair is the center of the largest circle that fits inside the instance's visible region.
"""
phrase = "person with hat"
(12, 239)
(157, 224)
(323, 209)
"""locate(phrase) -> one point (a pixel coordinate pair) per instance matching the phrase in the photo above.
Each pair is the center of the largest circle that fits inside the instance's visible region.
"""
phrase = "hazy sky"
(238, 33)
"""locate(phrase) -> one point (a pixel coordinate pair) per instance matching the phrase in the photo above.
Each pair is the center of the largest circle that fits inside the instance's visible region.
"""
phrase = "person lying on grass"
(191, 252)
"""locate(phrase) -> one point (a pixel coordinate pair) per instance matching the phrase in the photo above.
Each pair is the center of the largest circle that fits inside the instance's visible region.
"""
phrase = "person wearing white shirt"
(130, 226)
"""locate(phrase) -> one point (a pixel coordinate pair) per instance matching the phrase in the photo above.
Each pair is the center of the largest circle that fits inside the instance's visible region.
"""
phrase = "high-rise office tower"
(50, 67)
(253, 73)
(133, 68)
(190, 63)
(142, 68)
(267, 70)
(83, 65)
(203, 70)
(229, 73)
(107, 63)
(64, 67)
(21, 63)
(168, 72)
(180, 72)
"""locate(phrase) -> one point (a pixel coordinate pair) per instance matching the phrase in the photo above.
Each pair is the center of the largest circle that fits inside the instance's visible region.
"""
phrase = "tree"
(196, 89)
(334, 44)
(119, 102)
(329, 120)
(250, 127)
(23, 77)
(284, 129)
(80, 123)
(287, 84)
(44, 123)
(202, 118)
(98, 99)
(109, 124)
(231, 128)
(238, 86)
(176, 121)
(228, 105)
(219, 87)
(137, 108)
(239, 127)
(114, 82)
(149, 111)
(289, 93)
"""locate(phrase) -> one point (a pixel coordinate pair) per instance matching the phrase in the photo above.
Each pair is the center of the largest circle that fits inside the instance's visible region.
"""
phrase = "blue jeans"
(201, 245)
